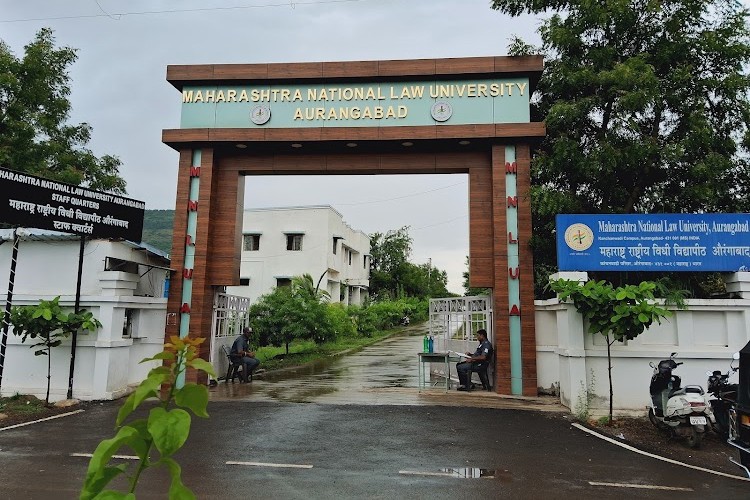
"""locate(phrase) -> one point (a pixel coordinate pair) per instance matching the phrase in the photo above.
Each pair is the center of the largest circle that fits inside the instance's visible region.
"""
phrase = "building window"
(283, 282)
(350, 258)
(244, 281)
(294, 242)
(127, 323)
(335, 246)
(364, 262)
(251, 242)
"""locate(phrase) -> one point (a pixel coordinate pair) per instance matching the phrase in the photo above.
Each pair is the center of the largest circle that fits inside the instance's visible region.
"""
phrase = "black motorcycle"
(725, 395)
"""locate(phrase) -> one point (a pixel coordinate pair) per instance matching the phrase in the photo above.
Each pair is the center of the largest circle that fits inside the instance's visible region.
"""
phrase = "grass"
(302, 352)
(21, 405)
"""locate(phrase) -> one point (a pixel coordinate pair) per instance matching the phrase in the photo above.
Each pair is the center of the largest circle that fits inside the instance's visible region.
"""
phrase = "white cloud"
(119, 87)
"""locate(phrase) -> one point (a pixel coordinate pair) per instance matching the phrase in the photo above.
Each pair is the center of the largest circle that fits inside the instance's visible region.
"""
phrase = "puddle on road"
(470, 472)
(502, 475)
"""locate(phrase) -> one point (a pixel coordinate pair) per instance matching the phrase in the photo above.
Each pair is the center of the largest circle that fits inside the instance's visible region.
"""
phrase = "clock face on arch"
(441, 111)
(260, 114)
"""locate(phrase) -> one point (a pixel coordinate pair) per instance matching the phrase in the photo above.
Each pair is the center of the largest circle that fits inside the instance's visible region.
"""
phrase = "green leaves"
(646, 107)
(194, 397)
(49, 324)
(34, 108)
(177, 490)
(623, 312)
(169, 429)
(98, 474)
(165, 429)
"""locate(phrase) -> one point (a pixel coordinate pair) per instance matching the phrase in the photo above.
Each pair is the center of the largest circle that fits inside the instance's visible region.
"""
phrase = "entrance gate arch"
(427, 116)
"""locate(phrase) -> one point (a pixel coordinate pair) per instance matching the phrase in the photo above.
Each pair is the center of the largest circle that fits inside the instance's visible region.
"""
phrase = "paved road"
(358, 428)
(359, 451)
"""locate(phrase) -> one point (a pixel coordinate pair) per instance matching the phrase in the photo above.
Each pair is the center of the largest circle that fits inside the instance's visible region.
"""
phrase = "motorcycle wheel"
(694, 438)
(655, 420)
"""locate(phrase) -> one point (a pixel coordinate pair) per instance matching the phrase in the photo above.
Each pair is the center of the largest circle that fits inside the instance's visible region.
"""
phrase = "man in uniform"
(241, 353)
(475, 362)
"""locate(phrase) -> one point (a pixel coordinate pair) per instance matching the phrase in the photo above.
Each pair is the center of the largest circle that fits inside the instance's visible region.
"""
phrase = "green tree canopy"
(393, 276)
(34, 108)
(646, 107)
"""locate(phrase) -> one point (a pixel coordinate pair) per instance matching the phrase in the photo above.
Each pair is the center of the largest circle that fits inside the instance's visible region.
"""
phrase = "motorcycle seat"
(677, 392)
(690, 389)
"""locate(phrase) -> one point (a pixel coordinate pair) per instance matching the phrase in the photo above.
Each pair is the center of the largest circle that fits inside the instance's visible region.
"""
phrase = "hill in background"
(157, 229)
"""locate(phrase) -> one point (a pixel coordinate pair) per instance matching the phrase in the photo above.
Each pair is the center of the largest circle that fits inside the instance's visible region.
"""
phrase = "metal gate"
(454, 323)
(230, 316)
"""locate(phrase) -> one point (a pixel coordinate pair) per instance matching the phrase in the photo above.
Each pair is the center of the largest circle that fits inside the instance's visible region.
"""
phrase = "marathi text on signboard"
(656, 242)
(26, 200)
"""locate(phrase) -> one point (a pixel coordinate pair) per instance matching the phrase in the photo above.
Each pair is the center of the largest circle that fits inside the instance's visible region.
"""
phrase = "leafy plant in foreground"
(166, 428)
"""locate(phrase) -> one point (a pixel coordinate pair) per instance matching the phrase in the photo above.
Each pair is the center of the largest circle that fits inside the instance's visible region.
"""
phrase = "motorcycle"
(681, 411)
(725, 397)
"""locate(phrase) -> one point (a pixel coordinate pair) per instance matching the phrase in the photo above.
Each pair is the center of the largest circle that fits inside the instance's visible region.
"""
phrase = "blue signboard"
(656, 242)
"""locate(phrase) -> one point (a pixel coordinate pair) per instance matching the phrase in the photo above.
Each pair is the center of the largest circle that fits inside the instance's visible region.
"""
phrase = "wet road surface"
(309, 451)
(358, 427)
(384, 373)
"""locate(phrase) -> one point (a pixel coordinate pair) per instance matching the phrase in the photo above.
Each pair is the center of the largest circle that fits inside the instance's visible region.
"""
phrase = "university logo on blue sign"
(656, 242)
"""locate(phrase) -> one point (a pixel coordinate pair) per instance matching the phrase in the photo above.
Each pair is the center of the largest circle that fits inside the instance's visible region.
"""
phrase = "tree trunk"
(609, 368)
(287, 347)
(49, 374)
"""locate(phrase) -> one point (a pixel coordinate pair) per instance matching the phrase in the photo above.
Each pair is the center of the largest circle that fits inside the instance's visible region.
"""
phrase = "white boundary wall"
(107, 363)
(705, 335)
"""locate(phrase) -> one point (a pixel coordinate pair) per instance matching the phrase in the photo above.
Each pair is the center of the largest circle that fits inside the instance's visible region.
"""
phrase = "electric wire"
(119, 15)
(401, 197)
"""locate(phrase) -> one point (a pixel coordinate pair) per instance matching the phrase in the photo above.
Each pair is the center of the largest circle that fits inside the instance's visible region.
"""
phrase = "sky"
(119, 87)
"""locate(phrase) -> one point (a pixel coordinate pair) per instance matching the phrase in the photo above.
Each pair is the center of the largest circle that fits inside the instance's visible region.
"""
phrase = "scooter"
(681, 411)
(725, 395)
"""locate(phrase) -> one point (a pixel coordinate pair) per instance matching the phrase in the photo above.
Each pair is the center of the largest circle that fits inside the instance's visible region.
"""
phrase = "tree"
(292, 312)
(646, 109)
(48, 324)
(618, 314)
(393, 276)
(34, 109)
(424, 280)
(390, 253)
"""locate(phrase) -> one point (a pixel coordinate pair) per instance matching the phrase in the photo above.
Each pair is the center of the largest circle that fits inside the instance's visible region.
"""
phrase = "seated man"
(474, 362)
(241, 353)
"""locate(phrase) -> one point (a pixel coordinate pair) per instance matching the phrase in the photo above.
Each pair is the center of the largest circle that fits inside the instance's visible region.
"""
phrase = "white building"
(122, 284)
(280, 243)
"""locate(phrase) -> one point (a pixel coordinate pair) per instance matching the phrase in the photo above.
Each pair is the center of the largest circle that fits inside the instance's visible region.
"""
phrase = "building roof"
(309, 207)
(33, 234)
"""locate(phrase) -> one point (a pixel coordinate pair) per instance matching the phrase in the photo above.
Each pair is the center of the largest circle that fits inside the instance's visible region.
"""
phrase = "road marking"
(439, 474)
(423, 473)
(40, 420)
(652, 455)
(640, 486)
(264, 464)
(89, 455)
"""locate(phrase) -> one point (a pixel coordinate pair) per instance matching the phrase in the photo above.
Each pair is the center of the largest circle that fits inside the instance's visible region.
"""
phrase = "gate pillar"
(206, 245)
(513, 288)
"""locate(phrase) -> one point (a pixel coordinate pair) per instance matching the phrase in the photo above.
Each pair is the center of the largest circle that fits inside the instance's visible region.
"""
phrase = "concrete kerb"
(653, 455)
